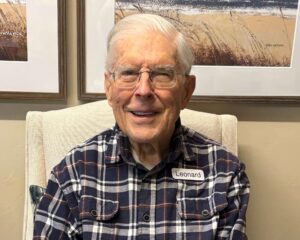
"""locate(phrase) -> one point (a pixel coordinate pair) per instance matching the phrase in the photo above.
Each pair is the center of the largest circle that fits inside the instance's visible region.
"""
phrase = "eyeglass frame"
(150, 72)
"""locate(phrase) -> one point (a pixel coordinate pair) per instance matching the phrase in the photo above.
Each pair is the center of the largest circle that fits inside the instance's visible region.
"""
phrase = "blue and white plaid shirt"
(98, 191)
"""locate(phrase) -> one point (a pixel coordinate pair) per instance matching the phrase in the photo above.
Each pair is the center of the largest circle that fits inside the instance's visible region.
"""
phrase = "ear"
(189, 87)
(108, 87)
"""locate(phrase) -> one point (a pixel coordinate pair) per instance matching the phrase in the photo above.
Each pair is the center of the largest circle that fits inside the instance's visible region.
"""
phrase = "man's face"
(146, 114)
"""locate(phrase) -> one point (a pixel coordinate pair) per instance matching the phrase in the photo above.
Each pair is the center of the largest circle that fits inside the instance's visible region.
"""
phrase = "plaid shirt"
(99, 192)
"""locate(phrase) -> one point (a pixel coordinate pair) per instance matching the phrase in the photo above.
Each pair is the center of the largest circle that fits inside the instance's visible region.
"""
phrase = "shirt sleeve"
(232, 223)
(54, 219)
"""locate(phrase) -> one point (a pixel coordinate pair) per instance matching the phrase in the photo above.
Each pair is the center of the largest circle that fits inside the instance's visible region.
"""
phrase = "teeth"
(143, 113)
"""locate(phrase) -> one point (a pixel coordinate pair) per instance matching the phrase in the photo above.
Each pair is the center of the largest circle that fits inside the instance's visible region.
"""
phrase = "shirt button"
(93, 213)
(205, 213)
(146, 217)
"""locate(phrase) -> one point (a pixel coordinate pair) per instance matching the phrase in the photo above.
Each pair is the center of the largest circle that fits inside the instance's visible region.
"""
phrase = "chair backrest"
(50, 135)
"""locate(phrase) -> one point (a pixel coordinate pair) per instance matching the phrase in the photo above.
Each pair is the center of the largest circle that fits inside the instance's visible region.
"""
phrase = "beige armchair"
(50, 135)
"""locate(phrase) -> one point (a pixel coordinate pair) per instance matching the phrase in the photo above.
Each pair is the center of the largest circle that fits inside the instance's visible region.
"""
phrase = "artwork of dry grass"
(13, 32)
(229, 37)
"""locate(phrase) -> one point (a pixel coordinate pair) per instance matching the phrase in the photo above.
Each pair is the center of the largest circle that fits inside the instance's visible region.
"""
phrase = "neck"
(149, 154)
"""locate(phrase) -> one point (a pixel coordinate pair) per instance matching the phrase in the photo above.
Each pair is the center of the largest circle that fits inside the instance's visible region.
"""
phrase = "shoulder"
(89, 153)
(207, 152)
(199, 141)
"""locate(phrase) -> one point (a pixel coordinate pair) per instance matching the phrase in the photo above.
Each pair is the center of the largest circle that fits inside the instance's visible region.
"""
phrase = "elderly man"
(148, 177)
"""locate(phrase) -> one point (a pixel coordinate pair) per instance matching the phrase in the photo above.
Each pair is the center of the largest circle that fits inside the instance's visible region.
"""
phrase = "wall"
(268, 137)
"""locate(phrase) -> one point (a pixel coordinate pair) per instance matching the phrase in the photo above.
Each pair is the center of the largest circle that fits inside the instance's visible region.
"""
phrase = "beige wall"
(268, 134)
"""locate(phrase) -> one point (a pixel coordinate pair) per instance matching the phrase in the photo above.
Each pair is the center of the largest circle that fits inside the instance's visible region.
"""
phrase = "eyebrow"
(160, 66)
(121, 67)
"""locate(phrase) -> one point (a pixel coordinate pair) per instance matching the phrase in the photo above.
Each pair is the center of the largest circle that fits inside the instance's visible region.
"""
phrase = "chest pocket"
(98, 209)
(200, 209)
(194, 203)
(97, 217)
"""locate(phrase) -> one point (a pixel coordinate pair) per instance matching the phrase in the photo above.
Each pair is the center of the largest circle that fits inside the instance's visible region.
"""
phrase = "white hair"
(138, 23)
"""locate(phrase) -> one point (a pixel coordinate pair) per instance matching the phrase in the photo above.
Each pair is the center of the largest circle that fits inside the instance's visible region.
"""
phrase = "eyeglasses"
(161, 78)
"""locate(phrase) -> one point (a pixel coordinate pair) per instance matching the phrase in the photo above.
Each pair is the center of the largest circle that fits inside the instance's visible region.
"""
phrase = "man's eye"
(165, 74)
(129, 72)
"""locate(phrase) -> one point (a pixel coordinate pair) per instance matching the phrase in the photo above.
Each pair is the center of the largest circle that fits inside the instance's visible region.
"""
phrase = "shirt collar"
(119, 146)
(179, 145)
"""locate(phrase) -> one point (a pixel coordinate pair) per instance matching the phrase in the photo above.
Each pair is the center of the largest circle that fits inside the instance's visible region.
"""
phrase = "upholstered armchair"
(50, 135)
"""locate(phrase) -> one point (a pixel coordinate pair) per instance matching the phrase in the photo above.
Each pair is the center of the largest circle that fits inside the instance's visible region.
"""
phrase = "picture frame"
(43, 75)
(214, 83)
(88, 75)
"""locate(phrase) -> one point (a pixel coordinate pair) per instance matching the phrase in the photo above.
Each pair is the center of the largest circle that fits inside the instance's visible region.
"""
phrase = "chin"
(143, 136)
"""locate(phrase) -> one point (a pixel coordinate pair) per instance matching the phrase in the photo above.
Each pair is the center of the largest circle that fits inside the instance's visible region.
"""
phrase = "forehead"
(148, 48)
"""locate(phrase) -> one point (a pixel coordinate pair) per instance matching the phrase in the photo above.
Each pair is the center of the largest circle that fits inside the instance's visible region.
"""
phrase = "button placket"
(144, 200)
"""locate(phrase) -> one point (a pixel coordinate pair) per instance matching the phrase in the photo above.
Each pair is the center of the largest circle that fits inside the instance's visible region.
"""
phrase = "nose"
(144, 87)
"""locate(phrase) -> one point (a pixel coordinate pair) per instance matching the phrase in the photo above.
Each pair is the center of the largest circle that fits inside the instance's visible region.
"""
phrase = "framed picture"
(32, 49)
(244, 51)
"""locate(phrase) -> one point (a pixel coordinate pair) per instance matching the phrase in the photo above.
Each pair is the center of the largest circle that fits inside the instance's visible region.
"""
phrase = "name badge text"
(188, 174)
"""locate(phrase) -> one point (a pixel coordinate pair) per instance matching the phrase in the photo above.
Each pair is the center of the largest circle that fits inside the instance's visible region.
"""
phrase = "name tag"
(188, 174)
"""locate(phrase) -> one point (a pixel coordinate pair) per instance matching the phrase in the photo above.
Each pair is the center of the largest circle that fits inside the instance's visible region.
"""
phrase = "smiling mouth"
(143, 114)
